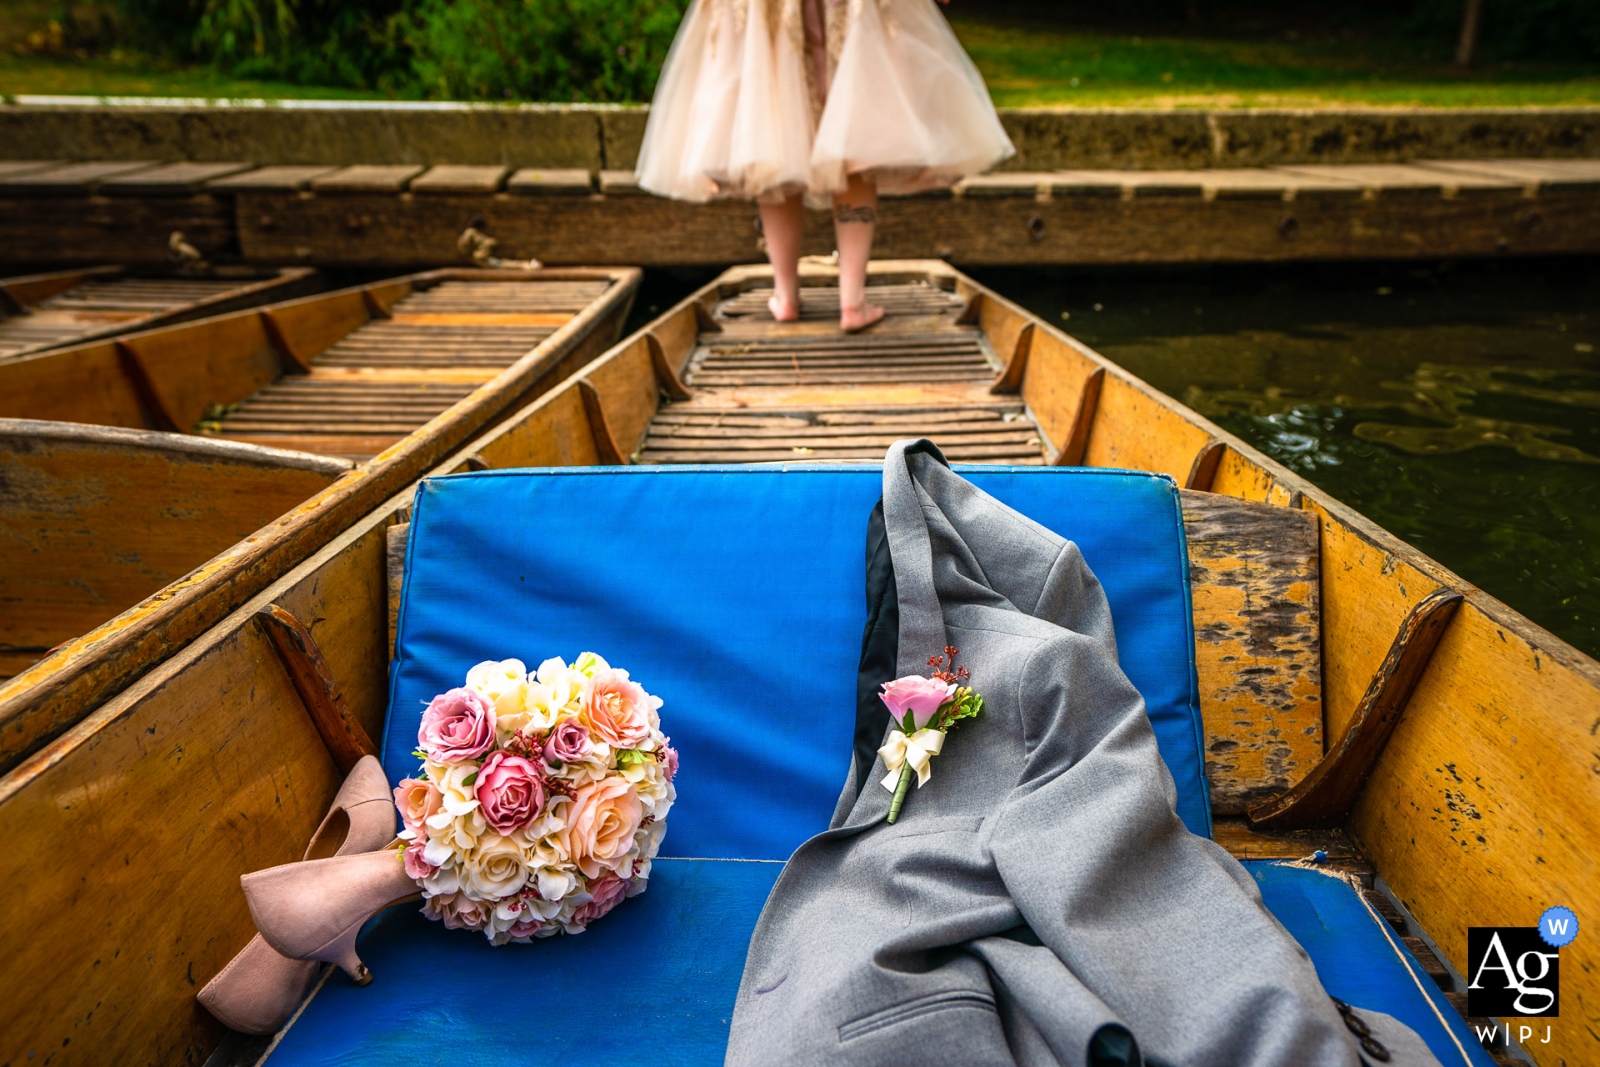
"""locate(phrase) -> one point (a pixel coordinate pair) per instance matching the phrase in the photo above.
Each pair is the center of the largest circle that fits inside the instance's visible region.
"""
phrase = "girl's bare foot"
(855, 319)
(783, 309)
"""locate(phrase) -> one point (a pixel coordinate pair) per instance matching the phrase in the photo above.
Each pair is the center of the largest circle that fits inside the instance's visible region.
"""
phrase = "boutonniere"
(923, 710)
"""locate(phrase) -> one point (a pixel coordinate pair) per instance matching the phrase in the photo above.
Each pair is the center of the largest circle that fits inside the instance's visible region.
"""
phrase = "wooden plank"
(367, 178)
(1142, 431)
(173, 179)
(1481, 809)
(1537, 175)
(1134, 184)
(537, 181)
(71, 179)
(64, 686)
(130, 230)
(271, 179)
(319, 691)
(460, 179)
(1324, 797)
(1405, 179)
(96, 519)
(1010, 185)
(210, 756)
(1254, 579)
(620, 183)
(997, 231)
(15, 167)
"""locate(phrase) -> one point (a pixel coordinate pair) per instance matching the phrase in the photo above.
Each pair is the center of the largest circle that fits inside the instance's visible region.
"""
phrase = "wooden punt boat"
(95, 518)
(39, 312)
(1357, 697)
(394, 375)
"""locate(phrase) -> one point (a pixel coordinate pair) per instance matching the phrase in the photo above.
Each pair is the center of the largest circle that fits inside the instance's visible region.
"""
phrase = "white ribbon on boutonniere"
(923, 710)
(917, 749)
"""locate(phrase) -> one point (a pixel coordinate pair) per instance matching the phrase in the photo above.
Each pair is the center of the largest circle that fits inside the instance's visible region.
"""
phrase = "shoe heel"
(341, 952)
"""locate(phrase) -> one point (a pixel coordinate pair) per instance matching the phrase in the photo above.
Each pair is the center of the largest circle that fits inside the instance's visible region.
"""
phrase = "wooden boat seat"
(736, 593)
(379, 382)
(43, 311)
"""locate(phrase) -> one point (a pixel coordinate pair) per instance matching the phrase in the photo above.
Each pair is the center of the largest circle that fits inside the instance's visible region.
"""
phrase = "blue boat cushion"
(653, 985)
(735, 594)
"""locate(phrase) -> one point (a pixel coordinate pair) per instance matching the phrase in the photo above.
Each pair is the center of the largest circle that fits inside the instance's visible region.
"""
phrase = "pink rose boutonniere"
(923, 710)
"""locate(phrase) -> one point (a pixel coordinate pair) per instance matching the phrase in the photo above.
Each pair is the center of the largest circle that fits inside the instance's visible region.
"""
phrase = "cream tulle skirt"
(736, 115)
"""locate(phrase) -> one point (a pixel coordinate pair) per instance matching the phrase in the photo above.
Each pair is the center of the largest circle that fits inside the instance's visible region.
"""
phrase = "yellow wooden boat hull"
(130, 829)
(173, 379)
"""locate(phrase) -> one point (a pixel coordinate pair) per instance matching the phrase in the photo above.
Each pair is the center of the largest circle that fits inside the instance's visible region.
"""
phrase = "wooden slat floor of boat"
(918, 341)
(822, 302)
(453, 326)
(95, 304)
(968, 435)
(863, 375)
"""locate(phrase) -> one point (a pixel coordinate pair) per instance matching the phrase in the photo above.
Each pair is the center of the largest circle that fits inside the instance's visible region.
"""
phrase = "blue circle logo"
(1558, 926)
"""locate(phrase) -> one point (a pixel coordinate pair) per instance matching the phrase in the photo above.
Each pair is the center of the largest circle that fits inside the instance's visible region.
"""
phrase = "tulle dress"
(766, 98)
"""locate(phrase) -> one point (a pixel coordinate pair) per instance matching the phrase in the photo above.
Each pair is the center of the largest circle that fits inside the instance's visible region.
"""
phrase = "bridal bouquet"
(541, 800)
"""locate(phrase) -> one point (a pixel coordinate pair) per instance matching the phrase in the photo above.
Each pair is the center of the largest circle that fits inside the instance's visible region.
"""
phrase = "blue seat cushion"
(654, 983)
(737, 595)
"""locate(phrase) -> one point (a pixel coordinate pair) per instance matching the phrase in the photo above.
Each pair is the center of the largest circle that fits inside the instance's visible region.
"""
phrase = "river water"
(1456, 405)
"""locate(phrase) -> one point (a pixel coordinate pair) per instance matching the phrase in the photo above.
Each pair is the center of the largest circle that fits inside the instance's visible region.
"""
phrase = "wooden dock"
(407, 214)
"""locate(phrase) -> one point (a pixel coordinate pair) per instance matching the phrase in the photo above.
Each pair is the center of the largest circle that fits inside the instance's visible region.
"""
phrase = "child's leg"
(855, 214)
(781, 225)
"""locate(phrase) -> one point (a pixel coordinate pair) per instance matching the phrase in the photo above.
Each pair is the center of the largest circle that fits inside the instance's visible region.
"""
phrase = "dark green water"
(1458, 406)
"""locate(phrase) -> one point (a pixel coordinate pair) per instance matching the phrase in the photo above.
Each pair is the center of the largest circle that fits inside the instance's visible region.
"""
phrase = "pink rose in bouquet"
(510, 792)
(417, 866)
(457, 911)
(916, 694)
(606, 893)
(539, 827)
(600, 827)
(617, 709)
(417, 801)
(568, 742)
(457, 725)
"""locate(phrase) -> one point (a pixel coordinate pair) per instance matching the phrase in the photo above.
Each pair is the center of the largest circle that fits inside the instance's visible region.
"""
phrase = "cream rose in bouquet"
(541, 800)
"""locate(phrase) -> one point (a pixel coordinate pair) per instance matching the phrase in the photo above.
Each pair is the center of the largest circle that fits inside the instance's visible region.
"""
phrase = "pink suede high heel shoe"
(313, 911)
(259, 988)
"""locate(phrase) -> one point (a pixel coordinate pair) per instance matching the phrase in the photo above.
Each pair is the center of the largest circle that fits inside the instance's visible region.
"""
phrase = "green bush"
(580, 50)
(590, 50)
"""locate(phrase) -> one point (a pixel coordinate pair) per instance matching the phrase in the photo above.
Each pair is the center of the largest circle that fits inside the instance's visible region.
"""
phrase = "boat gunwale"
(176, 444)
(70, 681)
(264, 279)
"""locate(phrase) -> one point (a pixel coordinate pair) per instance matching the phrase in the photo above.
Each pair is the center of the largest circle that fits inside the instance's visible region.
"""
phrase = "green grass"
(134, 76)
(1035, 67)
(1024, 66)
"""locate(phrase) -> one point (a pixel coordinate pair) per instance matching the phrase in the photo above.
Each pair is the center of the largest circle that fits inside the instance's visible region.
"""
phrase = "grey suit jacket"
(1038, 902)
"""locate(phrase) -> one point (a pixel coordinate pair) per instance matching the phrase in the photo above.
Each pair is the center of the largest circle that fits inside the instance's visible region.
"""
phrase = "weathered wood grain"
(210, 762)
(1481, 810)
(96, 519)
(1255, 581)
(1325, 796)
(120, 229)
(319, 690)
(387, 230)
(70, 307)
(72, 680)
(173, 179)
